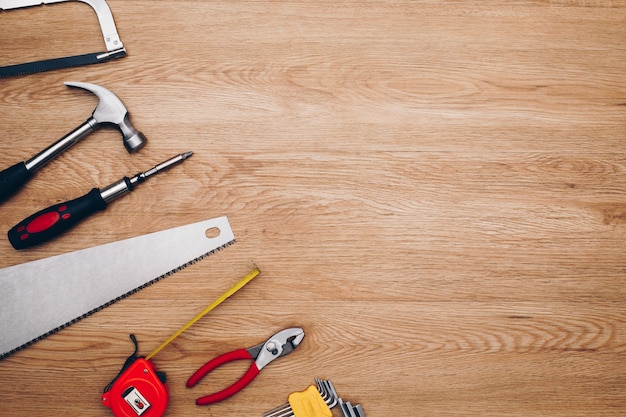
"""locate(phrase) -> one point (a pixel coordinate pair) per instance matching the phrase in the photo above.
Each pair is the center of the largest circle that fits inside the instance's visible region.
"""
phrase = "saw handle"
(55, 220)
(12, 178)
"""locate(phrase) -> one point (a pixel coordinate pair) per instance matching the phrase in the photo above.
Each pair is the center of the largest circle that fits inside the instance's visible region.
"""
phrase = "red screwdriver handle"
(55, 220)
(235, 355)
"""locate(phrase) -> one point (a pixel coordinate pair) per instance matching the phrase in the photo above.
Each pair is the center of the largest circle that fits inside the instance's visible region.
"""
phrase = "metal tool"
(41, 297)
(55, 220)
(110, 111)
(114, 46)
(348, 410)
(306, 403)
(280, 344)
(308, 399)
(139, 388)
(327, 390)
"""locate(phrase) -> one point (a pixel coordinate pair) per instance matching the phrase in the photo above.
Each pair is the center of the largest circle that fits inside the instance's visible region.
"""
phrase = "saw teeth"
(191, 235)
(115, 300)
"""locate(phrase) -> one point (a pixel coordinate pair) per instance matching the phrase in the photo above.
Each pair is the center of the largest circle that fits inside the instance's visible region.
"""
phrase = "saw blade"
(41, 297)
(114, 46)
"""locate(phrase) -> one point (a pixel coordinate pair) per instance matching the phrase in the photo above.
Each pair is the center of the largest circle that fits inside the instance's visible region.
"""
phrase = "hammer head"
(111, 111)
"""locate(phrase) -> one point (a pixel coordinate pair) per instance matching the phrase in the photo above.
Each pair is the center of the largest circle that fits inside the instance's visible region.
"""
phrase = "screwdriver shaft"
(125, 185)
(162, 166)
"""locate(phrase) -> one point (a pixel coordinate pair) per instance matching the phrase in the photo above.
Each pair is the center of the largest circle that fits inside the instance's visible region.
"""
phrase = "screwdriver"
(57, 219)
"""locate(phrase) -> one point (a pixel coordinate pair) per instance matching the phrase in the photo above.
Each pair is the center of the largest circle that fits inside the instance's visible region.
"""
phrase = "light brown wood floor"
(434, 190)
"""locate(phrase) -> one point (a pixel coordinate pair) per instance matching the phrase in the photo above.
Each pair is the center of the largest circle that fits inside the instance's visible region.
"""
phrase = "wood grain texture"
(434, 190)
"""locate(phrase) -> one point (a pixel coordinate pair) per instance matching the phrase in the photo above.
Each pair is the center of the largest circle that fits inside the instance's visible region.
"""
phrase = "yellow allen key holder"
(315, 401)
(309, 403)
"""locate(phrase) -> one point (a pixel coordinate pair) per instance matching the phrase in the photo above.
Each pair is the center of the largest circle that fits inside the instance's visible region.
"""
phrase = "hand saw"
(41, 297)
(115, 48)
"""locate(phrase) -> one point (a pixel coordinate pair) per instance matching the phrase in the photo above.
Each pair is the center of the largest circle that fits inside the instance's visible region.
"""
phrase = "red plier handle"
(235, 355)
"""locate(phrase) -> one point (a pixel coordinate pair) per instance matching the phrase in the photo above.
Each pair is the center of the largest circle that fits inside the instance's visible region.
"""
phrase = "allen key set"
(316, 401)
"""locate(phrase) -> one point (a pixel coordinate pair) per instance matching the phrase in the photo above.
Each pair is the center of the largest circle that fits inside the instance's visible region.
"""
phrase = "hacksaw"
(114, 46)
(41, 297)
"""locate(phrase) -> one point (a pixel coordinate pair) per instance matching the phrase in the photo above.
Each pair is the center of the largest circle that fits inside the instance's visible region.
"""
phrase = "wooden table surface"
(434, 190)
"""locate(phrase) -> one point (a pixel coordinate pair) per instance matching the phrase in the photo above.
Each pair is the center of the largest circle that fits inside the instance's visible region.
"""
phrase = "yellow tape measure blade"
(232, 290)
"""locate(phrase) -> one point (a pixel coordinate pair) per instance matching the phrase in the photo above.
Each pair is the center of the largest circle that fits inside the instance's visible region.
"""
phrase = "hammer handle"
(55, 220)
(12, 178)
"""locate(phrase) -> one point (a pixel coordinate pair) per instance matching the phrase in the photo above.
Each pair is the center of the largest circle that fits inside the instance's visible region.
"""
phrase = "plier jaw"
(281, 344)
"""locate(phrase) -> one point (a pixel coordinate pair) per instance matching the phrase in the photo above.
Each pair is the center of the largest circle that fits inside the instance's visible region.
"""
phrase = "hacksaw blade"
(41, 297)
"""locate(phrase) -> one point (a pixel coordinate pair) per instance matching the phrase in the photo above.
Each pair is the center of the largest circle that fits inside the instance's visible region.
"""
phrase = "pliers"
(280, 344)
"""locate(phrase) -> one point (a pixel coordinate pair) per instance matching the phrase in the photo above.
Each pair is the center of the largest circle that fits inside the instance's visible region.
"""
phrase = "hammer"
(109, 112)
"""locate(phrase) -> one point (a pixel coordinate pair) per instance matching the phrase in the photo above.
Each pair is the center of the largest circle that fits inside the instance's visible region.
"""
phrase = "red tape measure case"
(138, 391)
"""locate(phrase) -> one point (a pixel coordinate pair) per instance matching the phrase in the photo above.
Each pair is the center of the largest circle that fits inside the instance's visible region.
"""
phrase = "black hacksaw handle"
(12, 178)
(50, 64)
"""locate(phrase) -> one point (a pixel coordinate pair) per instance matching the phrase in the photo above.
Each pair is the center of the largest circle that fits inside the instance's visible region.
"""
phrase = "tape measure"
(140, 389)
